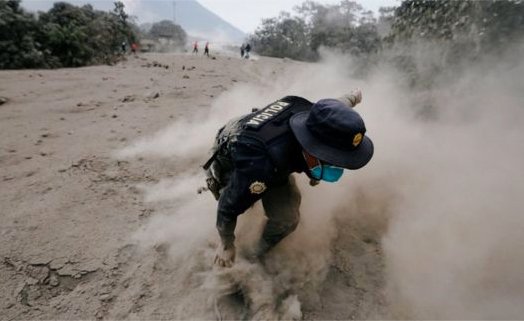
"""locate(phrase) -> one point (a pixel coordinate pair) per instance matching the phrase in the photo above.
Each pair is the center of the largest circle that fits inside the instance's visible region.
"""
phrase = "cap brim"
(350, 159)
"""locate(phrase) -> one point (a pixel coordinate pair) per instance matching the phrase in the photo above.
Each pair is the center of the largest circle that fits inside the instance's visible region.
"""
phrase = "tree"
(65, 36)
(124, 26)
(454, 32)
(120, 12)
(18, 29)
(467, 28)
(284, 36)
(345, 26)
(166, 29)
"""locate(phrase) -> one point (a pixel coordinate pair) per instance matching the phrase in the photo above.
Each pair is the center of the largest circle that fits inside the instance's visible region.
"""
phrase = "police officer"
(255, 154)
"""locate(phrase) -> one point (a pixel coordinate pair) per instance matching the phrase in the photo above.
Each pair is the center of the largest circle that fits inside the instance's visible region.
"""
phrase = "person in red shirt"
(195, 47)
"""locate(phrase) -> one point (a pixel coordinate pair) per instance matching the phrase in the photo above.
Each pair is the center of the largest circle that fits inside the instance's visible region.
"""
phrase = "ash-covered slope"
(196, 19)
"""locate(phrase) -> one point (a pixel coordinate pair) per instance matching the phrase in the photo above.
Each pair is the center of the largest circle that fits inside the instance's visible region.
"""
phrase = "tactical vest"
(272, 121)
(264, 125)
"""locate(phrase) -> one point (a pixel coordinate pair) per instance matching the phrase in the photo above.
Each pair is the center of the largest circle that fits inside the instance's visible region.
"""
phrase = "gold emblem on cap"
(357, 139)
(257, 187)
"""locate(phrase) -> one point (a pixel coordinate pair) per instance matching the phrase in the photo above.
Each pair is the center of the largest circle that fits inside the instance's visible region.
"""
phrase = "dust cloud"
(442, 195)
(453, 245)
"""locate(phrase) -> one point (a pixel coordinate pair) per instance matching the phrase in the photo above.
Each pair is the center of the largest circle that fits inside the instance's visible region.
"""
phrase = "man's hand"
(353, 98)
(225, 256)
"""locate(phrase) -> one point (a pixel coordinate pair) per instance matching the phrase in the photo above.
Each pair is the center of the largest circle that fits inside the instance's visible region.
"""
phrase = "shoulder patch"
(257, 187)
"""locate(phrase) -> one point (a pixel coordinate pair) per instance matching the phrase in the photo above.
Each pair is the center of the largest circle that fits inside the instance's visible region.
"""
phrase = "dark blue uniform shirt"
(253, 161)
(261, 153)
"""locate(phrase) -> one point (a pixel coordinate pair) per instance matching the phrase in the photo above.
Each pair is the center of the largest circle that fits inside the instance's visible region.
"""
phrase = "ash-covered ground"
(100, 218)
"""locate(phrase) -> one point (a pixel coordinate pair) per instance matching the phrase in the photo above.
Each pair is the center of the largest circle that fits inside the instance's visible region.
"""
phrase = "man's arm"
(248, 181)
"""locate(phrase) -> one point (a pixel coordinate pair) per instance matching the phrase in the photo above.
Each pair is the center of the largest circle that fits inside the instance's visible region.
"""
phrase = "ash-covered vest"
(272, 121)
(265, 125)
(270, 125)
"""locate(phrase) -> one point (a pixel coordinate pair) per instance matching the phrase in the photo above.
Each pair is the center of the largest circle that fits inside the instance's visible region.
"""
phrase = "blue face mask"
(327, 173)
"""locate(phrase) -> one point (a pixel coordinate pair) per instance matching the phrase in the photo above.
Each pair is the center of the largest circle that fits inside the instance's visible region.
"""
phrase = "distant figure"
(195, 47)
(134, 47)
(242, 50)
(206, 49)
(247, 49)
(124, 47)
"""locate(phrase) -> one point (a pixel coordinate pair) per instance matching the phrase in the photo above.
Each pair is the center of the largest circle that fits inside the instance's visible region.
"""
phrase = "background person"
(195, 47)
(206, 49)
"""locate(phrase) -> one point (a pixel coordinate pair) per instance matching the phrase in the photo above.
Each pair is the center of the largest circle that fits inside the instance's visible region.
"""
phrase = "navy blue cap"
(333, 133)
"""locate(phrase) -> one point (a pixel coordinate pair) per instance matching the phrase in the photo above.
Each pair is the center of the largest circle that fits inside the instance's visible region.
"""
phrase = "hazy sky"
(246, 14)
(243, 14)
